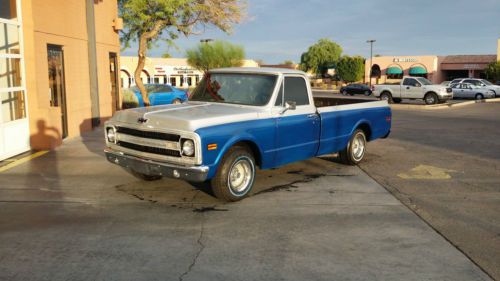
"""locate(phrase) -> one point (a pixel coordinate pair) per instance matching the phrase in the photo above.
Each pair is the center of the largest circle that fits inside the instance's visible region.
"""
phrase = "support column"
(92, 59)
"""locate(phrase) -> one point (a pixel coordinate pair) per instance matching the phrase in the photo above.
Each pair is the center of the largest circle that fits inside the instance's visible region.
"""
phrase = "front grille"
(149, 149)
(148, 135)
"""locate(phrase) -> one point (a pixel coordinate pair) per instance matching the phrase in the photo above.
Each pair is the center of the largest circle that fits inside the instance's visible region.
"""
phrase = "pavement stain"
(427, 172)
(209, 209)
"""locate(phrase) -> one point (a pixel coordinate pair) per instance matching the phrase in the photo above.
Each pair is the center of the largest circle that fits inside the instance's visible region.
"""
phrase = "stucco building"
(173, 71)
(58, 70)
(390, 69)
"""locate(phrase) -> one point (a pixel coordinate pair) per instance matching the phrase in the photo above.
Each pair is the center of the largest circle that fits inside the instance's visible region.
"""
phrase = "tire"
(355, 151)
(235, 176)
(396, 100)
(344, 92)
(431, 98)
(367, 93)
(479, 97)
(386, 96)
(145, 177)
(176, 101)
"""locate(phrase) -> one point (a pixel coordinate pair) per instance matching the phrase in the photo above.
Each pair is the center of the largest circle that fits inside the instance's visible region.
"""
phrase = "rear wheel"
(431, 98)
(235, 176)
(355, 150)
(344, 92)
(479, 97)
(386, 96)
(176, 101)
(367, 93)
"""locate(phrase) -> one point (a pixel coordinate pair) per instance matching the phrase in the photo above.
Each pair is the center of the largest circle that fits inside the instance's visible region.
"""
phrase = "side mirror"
(289, 105)
(418, 85)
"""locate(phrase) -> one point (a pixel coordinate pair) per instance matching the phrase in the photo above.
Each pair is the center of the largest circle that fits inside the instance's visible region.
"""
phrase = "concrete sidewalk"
(69, 215)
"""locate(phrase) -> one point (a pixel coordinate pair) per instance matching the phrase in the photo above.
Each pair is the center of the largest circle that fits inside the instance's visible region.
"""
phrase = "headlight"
(111, 134)
(188, 148)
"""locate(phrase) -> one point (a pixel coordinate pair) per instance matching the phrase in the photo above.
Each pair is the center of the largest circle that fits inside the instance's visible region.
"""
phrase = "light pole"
(371, 41)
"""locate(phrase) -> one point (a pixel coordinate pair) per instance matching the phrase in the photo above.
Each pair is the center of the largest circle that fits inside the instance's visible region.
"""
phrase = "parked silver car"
(479, 83)
(470, 91)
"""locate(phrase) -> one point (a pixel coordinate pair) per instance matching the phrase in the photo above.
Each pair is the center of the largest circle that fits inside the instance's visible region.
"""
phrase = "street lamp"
(371, 60)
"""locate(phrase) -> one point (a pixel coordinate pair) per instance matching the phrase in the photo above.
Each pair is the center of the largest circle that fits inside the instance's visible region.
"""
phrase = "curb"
(442, 106)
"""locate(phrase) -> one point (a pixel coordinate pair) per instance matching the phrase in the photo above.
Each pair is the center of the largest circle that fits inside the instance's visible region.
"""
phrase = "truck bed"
(324, 102)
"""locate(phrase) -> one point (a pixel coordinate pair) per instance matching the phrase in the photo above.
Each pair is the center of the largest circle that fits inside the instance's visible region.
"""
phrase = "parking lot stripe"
(22, 160)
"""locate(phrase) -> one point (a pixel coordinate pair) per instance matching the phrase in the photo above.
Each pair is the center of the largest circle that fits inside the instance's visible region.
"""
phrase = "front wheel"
(355, 150)
(344, 92)
(176, 101)
(430, 98)
(367, 93)
(235, 176)
(479, 97)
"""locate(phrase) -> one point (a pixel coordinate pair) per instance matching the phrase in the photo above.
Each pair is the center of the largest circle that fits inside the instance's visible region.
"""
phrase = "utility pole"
(371, 60)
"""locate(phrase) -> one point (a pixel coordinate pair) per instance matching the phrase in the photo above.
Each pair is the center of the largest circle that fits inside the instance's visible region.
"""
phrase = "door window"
(410, 82)
(57, 85)
(296, 90)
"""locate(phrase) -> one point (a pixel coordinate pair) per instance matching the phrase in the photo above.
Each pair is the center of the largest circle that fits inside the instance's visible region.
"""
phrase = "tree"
(320, 56)
(351, 69)
(492, 71)
(147, 21)
(288, 62)
(166, 56)
(206, 56)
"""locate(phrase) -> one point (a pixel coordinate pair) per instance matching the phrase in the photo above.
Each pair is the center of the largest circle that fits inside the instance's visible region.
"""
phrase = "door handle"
(311, 115)
(407, 88)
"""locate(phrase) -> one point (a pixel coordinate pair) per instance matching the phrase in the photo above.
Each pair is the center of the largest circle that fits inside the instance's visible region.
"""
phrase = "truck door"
(411, 89)
(297, 129)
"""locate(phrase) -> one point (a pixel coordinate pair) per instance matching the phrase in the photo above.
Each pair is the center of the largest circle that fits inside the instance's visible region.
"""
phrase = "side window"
(296, 90)
(410, 82)
(473, 82)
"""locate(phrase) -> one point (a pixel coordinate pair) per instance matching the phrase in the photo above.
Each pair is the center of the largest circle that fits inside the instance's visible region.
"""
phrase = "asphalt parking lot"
(69, 215)
(445, 165)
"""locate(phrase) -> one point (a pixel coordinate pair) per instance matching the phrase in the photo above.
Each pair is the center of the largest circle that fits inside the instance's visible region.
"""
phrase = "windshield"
(424, 81)
(487, 82)
(236, 88)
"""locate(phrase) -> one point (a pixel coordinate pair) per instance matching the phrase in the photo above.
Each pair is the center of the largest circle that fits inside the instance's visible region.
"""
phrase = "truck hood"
(188, 116)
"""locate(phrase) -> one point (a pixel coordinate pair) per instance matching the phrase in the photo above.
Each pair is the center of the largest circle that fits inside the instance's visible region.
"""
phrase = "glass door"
(113, 76)
(14, 126)
(57, 87)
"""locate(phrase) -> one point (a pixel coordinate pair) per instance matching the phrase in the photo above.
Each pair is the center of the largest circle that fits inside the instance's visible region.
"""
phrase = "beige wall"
(63, 22)
(430, 63)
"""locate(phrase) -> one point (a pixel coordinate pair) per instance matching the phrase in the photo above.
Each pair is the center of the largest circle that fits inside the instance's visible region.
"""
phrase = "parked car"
(238, 119)
(354, 89)
(469, 91)
(480, 83)
(445, 83)
(161, 94)
(413, 88)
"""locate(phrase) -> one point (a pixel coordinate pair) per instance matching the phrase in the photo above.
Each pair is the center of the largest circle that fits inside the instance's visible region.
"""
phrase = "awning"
(394, 70)
(417, 70)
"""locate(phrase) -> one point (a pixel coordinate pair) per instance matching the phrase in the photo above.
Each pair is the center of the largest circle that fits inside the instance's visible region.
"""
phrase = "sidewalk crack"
(195, 259)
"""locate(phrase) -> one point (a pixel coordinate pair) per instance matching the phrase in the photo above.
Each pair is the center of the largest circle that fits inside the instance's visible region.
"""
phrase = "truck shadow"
(199, 196)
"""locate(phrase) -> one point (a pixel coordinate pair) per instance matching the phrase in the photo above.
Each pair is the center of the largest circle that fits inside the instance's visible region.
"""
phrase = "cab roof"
(258, 70)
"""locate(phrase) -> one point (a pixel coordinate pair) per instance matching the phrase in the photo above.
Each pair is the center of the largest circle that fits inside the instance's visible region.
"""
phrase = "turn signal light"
(212, 146)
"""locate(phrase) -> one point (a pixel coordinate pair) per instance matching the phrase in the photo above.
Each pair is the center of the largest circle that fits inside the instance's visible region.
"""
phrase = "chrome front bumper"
(154, 168)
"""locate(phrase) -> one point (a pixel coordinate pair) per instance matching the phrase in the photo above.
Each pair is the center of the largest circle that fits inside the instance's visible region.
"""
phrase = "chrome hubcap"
(240, 175)
(430, 99)
(358, 147)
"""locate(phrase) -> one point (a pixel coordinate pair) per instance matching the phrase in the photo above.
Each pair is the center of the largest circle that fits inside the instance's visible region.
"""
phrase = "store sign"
(172, 70)
(472, 66)
(184, 70)
(405, 60)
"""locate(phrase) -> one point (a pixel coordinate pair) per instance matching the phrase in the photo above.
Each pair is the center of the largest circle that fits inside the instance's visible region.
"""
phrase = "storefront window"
(12, 104)
(173, 81)
(8, 9)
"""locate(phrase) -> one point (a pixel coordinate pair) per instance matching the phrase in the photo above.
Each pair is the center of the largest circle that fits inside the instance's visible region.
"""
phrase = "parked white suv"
(478, 82)
(413, 88)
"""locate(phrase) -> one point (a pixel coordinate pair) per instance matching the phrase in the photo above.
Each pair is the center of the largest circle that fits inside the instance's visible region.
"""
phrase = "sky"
(279, 30)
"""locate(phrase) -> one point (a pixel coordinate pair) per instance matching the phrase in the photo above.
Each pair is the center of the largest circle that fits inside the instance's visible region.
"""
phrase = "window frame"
(282, 87)
(18, 22)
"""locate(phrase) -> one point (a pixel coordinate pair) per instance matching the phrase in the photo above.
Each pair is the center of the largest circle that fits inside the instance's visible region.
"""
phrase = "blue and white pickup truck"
(236, 120)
